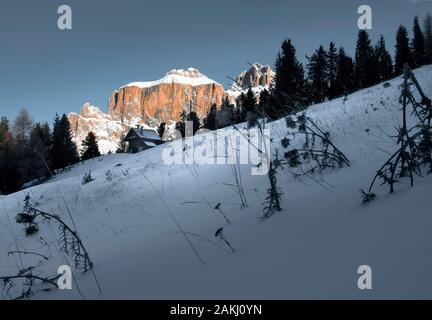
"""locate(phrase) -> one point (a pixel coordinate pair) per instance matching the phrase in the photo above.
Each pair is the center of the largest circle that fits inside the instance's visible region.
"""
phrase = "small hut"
(140, 139)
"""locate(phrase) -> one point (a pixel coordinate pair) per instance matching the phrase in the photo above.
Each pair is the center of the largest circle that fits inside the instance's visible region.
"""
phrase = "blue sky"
(114, 42)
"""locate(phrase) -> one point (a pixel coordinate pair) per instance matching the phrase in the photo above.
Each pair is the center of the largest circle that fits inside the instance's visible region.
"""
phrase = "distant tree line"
(33, 151)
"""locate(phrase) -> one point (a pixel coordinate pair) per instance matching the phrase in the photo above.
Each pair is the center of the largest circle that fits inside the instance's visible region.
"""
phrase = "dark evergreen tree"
(267, 105)
(250, 102)
(90, 148)
(180, 125)
(210, 121)
(225, 115)
(289, 82)
(332, 62)
(240, 110)
(418, 48)
(40, 145)
(345, 82)
(427, 30)
(250, 107)
(364, 60)
(383, 61)
(64, 151)
(10, 180)
(403, 52)
(318, 75)
(161, 129)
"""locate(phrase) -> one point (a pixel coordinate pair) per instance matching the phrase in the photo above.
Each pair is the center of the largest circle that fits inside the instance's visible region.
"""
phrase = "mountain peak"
(190, 76)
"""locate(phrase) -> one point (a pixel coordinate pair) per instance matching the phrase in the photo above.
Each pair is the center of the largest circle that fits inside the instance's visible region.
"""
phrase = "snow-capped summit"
(190, 76)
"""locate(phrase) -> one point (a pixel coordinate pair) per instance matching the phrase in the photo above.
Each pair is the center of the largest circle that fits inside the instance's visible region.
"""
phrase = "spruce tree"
(345, 82)
(64, 151)
(250, 101)
(266, 105)
(418, 45)
(240, 110)
(180, 125)
(225, 115)
(317, 75)
(289, 82)
(10, 179)
(403, 52)
(383, 60)
(364, 61)
(90, 148)
(40, 145)
(210, 122)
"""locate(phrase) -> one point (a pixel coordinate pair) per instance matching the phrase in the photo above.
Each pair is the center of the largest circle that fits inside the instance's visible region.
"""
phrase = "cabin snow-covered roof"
(146, 134)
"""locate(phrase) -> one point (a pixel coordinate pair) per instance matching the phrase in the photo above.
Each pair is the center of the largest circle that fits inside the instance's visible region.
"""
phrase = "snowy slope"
(311, 249)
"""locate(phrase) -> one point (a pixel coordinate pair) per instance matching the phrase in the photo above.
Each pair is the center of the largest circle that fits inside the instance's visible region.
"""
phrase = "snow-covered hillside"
(129, 219)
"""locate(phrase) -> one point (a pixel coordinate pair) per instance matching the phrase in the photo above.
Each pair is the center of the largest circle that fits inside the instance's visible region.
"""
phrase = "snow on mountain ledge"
(190, 76)
(107, 130)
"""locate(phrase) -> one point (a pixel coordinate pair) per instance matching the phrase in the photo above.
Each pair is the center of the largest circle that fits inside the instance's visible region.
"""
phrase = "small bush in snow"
(87, 178)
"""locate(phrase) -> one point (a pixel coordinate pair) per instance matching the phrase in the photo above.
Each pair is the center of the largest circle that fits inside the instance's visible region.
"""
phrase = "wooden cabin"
(140, 139)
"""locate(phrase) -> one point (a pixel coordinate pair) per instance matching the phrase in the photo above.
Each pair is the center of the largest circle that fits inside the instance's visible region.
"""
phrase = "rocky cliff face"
(164, 100)
(258, 78)
(107, 129)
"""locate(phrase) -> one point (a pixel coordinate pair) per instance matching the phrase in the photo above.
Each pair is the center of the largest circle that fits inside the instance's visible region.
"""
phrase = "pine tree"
(225, 115)
(40, 145)
(289, 82)
(4, 130)
(64, 151)
(250, 107)
(345, 74)
(364, 61)
(10, 179)
(318, 75)
(403, 52)
(240, 111)
(180, 125)
(250, 101)
(90, 148)
(332, 61)
(210, 122)
(418, 45)
(427, 30)
(383, 60)
(266, 105)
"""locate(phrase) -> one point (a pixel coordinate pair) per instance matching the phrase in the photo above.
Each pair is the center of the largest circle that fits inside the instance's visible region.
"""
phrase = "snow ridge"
(190, 76)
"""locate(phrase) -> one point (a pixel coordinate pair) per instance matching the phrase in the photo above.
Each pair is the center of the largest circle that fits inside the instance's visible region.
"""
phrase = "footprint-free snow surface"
(138, 215)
